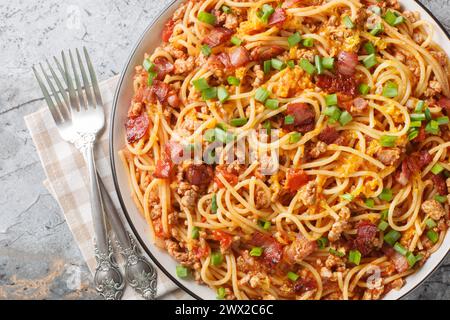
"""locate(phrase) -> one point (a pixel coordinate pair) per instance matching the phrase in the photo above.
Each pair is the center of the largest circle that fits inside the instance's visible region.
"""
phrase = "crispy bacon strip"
(217, 36)
(273, 250)
(137, 127)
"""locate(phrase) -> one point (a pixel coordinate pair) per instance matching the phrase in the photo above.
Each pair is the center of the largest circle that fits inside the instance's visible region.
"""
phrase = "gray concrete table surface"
(38, 256)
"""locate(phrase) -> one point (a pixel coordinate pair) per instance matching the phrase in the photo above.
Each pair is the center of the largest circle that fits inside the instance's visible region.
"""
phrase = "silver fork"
(79, 117)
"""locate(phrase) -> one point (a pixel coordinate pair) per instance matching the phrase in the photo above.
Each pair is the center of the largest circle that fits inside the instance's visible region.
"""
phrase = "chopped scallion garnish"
(206, 17)
(386, 195)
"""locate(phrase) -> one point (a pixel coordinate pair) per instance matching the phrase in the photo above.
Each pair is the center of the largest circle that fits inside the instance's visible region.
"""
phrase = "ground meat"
(434, 209)
(231, 21)
(245, 262)
(307, 193)
(373, 294)
(299, 249)
(184, 65)
(448, 184)
(185, 258)
(412, 16)
(388, 156)
(335, 263)
(434, 88)
(262, 200)
(441, 57)
(340, 225)
(259, 73)
(318, 150)
(135, 109)
(174, 52)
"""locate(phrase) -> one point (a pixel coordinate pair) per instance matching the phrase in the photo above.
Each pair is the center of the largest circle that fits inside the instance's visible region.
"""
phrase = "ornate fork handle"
(108, 279)
(139, 273)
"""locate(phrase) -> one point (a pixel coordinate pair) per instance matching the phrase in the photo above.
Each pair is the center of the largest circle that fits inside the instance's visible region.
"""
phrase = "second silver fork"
(80, 125)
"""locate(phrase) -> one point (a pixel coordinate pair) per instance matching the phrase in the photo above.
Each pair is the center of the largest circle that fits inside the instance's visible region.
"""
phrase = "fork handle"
(139, 273)
(107, 279)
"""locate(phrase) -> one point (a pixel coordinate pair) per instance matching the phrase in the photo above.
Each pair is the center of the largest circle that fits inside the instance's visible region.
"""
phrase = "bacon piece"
(173, 100)
(162, 67)
(217, 36)
(360, 104)
(199, 174)
(328, 135)
(285, 196)
(404, 174)
(278, 17)
(238, 57)
(304, 117)
(266, 53)
(296, 178)
(137, 127)
(303, 285)
(167, 30)
(231, 177)
(160, 90)
(439, 184)
(163, 169)
(422, 135)
(444, 103)
(399, 261)
(224, 239)
(346, 63)
(366, 234)
(174, 151)
(273, 250)
(425, 158)
(338, 83)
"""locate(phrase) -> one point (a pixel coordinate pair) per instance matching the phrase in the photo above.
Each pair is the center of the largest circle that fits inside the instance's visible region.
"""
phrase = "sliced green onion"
(347, 197)
(238, 122)
(236, 41)
(370, 203)
(333, 112)
(383, 225)
(221, 293)
(400, 249)
(233, 81)
(151, 75)
(182, 272)
(272, 104)
(370, 61)
(225, 9)
(209, 135)
(148, 65)
(428, 114)
(390, 90)
(331, 99)
(386, 195)
(377, 29)
(369, 47)
(419, 106)
(206, 50)
(388, 141)
(433, 236)
(206, 17)
(430, 223)
(375, 9)
(289, 119)
(295, 137)
(413, 134)
(222, 94)
(256, 251)
(290, 64)
(308, 42)
(318, 63)
(328, 62)
(261, 95)
(277, 64)
(322, 242)
(335, 252)
(393, 19)
(384, 214)
(268, 126)
(267, 11)
(441, 199)
(195, 233)
(267, 66)
(442, 120)
(415, 124)
(348, 22)
(412, 259)
(437, 168)
(209, 93)
(364, 89)
(222, 125)
(354, 256)
(216, 258)
(201, 84)
(417, 116)
(392, 236)
(294, 39)
(307, 66)
(214, 204)
(265, 224)
(432, 127)
(223, 136)
(345, 118)
(292, 276)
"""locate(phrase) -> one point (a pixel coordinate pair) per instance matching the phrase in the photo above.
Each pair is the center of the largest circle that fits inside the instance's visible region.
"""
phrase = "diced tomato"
(231, 177)
(224, 239)
(295, 179)
(273, 250)
(168, 30)
(201, 252)
(137, 127)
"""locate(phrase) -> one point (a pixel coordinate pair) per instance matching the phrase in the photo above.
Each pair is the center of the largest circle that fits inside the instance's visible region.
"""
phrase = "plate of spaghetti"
(288, 149)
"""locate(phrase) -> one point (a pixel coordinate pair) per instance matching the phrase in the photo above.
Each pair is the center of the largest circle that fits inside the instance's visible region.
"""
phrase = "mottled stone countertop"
(38, 256)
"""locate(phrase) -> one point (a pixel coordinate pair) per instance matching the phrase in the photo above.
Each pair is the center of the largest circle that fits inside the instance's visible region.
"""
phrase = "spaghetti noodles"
(344, 102)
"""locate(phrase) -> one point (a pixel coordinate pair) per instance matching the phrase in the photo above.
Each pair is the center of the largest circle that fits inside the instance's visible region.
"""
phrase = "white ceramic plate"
(149, 40)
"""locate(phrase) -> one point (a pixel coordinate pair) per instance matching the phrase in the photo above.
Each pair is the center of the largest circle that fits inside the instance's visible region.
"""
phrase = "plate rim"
(112, 152)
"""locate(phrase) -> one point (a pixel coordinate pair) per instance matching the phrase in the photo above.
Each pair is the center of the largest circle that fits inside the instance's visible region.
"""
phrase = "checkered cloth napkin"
(67, 181)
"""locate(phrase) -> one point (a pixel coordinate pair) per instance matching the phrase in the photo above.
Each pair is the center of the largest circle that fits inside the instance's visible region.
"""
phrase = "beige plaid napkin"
(67, 181)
